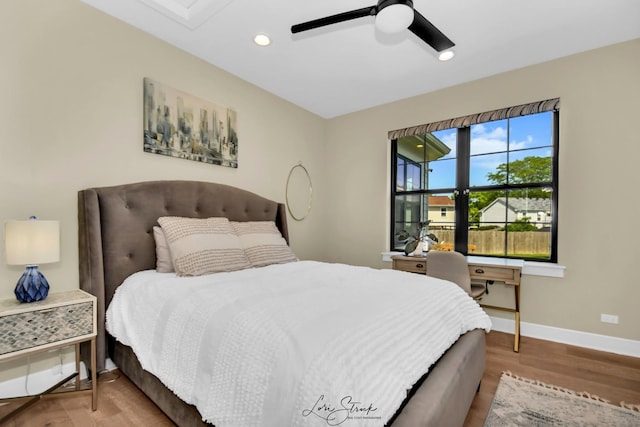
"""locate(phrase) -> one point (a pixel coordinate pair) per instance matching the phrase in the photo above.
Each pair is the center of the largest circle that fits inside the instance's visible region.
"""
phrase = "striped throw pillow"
(263, 243)
(203, 245)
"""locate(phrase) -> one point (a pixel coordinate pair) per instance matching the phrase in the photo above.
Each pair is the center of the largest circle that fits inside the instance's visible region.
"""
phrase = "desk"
(508, 271)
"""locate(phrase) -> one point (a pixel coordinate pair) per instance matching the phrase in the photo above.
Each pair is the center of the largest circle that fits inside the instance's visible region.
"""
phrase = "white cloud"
(488, 140)
(450, 140)
(517, 145)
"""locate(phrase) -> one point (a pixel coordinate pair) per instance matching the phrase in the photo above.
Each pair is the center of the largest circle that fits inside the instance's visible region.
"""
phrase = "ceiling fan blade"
(334, 19)
(428, 32)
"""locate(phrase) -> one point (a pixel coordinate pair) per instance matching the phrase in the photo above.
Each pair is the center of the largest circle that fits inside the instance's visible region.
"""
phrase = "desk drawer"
(35, 328)
(412, 266)
(501, 274)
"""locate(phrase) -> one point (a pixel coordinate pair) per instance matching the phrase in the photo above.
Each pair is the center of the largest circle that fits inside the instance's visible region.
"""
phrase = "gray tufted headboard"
(115, 229)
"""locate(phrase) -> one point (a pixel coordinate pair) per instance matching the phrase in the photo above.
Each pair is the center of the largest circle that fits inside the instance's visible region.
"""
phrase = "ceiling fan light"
(394, 18)
(446, 55)
(262, 40)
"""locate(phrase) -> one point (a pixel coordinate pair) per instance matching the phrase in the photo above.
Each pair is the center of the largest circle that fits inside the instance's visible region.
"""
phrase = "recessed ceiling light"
(446, 55)
(262, 40)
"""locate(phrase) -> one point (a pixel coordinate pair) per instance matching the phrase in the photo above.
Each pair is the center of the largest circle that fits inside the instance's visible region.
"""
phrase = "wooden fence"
(491, 242)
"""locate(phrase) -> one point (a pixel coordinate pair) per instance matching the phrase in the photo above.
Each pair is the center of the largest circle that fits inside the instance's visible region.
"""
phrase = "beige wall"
(599, 152)
(71, 114)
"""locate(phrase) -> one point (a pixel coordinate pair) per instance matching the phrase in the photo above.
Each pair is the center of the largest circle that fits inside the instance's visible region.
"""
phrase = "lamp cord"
(26, 377)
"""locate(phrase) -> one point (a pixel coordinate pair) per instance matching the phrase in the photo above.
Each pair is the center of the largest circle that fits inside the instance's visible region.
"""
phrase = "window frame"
(462, 190)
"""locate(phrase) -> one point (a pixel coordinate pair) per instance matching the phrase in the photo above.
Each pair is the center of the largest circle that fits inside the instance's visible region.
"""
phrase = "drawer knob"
(479, 271)
(419, 265)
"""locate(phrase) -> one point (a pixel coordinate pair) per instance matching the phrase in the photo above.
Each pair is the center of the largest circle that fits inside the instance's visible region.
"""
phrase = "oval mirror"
(299, 192)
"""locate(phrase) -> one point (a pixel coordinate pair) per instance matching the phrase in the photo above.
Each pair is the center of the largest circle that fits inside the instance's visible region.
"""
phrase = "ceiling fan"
(392, 16)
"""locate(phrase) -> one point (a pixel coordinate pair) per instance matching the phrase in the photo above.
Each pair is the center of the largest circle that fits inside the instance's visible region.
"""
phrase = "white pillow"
(263, 243)
(164, 264)
(203, 246)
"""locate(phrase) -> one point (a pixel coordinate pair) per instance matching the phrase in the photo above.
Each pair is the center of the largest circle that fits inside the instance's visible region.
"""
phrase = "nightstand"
(63, 319)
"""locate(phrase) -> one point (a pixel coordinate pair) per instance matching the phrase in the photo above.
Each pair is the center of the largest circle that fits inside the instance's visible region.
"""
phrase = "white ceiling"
(351, 66)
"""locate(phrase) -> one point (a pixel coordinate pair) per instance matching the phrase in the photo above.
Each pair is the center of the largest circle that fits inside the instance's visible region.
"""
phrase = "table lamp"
(30, 243)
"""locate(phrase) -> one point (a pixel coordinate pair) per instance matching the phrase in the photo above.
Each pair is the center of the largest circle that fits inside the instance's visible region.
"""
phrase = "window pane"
(483, 169)
(427, 161)
(413, 176)
(400, 175)
(531, 131)
(489, 137)
(441, 149)
(529, 223)
(488, 151)
(442, 219)
(529, 166)
(409, 210)
(514, 224)
(448, 138)
(411, 154)
(414, 209)
(441, 174)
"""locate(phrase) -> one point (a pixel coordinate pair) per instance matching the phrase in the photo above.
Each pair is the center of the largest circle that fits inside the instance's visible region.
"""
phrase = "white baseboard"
(606, 343)
(38, 381)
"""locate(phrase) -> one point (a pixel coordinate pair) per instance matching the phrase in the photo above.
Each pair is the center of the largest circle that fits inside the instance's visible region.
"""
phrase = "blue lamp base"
(32, 285)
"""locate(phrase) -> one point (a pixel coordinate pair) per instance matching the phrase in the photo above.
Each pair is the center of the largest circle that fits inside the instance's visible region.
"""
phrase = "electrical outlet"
(609, 318)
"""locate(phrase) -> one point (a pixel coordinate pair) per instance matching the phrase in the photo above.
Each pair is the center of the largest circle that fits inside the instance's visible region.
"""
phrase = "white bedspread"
(304, 343)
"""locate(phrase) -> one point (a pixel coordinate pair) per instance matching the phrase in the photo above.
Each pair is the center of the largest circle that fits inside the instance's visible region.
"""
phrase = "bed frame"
(115, 234)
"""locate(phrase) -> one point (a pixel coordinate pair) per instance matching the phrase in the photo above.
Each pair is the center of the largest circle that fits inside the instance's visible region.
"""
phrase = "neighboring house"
(441, 212)
(537, 210)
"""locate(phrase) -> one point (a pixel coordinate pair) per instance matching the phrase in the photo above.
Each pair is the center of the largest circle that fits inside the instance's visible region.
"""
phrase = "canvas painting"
(180, 125)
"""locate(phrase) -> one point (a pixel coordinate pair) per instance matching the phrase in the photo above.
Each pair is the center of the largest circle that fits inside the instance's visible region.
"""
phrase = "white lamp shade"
(32, 242)
(394, 18)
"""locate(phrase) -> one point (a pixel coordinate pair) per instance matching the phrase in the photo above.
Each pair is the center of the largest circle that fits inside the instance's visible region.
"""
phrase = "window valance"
(503, 113)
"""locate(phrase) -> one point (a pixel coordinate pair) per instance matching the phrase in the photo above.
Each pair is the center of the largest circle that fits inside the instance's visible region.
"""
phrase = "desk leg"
(94, 377)
(516, 339)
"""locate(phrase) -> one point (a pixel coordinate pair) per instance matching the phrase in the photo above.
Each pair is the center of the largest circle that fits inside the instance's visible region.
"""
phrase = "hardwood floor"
(607, 375)
(610, 376)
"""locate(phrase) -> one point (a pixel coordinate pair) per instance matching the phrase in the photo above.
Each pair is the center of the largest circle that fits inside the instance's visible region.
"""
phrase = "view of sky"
(490, 142)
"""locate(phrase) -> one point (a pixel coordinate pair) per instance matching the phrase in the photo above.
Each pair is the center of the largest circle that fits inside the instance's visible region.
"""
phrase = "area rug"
(525, 402)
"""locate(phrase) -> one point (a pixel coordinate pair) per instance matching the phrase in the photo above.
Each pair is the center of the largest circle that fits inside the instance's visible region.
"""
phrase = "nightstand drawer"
(48, 325)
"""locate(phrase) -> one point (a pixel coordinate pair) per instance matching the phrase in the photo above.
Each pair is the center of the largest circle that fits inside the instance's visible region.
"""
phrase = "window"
(484, 188)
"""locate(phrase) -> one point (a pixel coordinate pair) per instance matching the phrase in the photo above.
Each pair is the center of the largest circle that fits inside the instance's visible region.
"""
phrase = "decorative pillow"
(203, 246)
(164, 264)
(263, 243)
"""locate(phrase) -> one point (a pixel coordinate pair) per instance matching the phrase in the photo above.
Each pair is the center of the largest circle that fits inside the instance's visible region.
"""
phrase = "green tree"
(532, 169)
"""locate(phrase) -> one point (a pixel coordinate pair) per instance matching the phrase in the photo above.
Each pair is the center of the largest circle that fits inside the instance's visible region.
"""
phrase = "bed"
(116, 241)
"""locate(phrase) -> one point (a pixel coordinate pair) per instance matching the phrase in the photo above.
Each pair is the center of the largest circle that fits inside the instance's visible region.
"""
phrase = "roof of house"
(522, 204)
(440, 201)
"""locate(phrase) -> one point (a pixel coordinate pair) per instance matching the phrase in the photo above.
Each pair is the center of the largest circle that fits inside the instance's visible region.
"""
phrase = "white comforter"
(304, 343)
